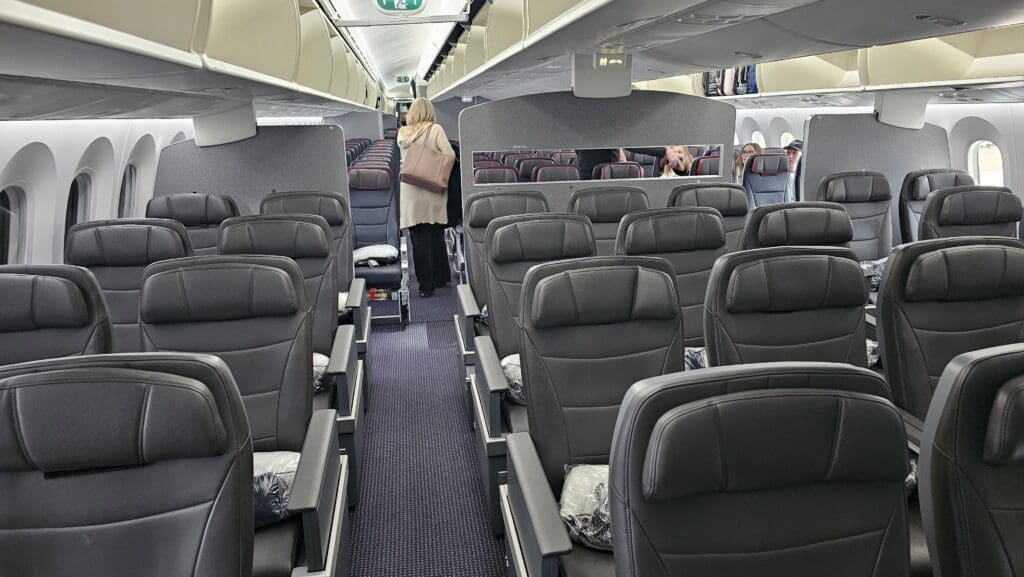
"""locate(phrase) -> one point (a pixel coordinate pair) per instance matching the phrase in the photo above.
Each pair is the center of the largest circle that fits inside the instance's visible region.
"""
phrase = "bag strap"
(420, 135)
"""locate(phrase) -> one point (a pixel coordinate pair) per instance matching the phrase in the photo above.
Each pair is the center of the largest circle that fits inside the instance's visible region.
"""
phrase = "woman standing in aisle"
(424, 212)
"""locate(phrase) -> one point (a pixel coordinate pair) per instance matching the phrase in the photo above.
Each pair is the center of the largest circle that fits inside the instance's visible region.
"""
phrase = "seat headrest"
(331, 206)
(853, 187)
(85, 419)
(126, 242)
(494, 176)
(369, 179)
(221, 288)
(192, 209)
(604, 295)
(706, 165)
(920, 184)
(966, 273)
(773, 439)
(727, 199)
(294, 236)
(669, 230)
(767, 164)
(795, 282)
(482, 208)
(607, 204)
(39, 301)
(539, 239)
(615, 170)
(798, 224)
(557, 173)
(977, 205)
(1004, 438)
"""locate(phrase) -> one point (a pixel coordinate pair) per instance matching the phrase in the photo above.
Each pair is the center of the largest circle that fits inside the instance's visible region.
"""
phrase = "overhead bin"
(355, 79)
(339, 67)
(685, 84)
(825, 72)
(476, 43)
(315, 58)
(506, 26)
(458, 56)
(259, 35)
(540, 12)
(168, 23)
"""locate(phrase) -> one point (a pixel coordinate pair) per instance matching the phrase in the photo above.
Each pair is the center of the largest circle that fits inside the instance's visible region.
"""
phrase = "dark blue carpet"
(422, 511)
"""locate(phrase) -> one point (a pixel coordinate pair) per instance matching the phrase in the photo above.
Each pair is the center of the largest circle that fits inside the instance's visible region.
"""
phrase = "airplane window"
(78, 201)
(735, 139)
(985, 163)
(6, 218)
(126, 198)
(758, 138)
(786, 138)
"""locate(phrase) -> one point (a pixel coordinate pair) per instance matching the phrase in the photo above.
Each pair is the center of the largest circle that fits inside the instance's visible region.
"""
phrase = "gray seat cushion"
(274, 549)
(728, 199)
(971, 211)
(605, 207)
(867, 198)
(915, 190)
(797, 224)
(201, 214)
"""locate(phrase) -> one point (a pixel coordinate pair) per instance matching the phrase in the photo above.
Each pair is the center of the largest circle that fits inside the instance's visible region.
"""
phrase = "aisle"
(422, 511)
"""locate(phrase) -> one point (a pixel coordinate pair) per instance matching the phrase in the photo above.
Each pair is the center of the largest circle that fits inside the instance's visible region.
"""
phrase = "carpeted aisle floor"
(422, 511)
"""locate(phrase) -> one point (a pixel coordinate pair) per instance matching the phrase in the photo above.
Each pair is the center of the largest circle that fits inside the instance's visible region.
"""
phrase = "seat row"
(532, 169)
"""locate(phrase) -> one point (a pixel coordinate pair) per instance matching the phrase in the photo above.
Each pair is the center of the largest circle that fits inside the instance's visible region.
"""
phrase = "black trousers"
(429, 256)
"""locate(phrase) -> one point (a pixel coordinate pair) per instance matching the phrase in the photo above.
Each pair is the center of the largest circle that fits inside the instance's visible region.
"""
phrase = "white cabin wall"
(42, 158)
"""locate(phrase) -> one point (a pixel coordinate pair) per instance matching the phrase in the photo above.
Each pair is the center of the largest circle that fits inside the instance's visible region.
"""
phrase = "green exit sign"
(402, 79)
(400, 6)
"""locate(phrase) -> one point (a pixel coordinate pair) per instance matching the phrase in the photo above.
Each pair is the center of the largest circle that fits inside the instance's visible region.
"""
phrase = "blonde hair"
(685, 156)
(739, 157)
(421, 110)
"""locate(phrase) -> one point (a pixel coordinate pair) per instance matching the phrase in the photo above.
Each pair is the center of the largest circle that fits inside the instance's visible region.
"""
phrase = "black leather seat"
(617, 170)
(797, 224)
(766, 179)
(51, 311)
(971, 469)
(729, 200)
(374, 201)
(526, 167)
(866, 197)
(774, 470)
(705, 166)
(125, 465)
(201, 214)
(690, 239)
(501, 175)
(556, 173)
(915, 190)
(116, 252)
(786, 303)
(941, 298)
(605, 207)
(971, 211)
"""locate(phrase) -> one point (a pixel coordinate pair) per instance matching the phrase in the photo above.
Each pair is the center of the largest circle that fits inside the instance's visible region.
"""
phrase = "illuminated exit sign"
(399, 7)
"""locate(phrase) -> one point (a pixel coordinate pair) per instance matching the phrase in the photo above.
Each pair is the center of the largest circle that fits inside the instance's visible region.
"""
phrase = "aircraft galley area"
(511, 288)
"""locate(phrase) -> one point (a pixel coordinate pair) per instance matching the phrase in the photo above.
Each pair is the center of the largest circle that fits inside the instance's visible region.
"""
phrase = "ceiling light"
(749, 55)
(940, 21)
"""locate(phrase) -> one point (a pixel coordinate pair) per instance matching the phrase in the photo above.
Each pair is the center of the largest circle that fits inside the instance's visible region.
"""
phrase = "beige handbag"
(425, 167)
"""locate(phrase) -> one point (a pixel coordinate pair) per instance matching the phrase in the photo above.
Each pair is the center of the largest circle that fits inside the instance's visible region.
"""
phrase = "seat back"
(563, 158)
(51, 311)
(304, 238)
(332, 207)
(766, 179)
(481, 209)
(509, 159)
(513, 244)
(616, 170)
(940, 298)
(485, 163)
(786, 303)
(971, 465)
(690, 239)
(705, 166)
(774, 444)
(916, 187)
(374, 200)
(605, 207)
(556, 173)
(201, 214)
(867, 197)
(591, 327)
(494, 176)
(252, 312)
(971, 211)
(729, 200)
(116, 252)
(526, 167)
(125, 465)
(797, 224)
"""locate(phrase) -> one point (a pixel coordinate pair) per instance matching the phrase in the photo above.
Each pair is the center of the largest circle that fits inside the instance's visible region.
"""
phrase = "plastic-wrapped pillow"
(375, 255)
(873, 271)
(695, 358)
(319, 368)
(584, 506)
(342, 301)
(272, 476)
(514, 376)
(874, 355)
(911, 480)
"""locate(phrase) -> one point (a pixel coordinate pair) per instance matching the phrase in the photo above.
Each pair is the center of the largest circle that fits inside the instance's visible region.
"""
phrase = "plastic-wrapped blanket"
(911, 480)
(272, 476)
(319, 368)
(514, 376)
(874, 355)
(375, 255)
(695, 358)
(584, 506)
(873, 271)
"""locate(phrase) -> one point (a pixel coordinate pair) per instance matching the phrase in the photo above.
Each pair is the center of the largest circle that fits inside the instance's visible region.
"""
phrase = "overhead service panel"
(602, 75)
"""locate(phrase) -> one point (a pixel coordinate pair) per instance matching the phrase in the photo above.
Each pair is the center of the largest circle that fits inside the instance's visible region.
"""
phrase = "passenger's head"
(745, 153)
(683, 160)
(421, 110)
(793, 152)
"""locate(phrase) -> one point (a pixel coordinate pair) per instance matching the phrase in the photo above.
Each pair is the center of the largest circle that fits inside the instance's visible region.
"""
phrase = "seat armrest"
(914, 428)
(467, 301)
(356, 294)
(315, 488)
(490, 382)
(341, 368)
(469, 313)
(541, 533)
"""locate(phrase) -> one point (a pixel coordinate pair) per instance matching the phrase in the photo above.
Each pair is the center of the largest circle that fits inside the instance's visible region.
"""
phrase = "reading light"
(940, 21)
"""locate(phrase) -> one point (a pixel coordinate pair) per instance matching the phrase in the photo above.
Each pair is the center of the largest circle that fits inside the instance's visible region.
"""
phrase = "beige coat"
(417, 205)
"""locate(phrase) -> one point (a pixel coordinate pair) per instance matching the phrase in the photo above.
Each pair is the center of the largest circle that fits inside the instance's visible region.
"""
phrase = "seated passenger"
(748, 149)
(682, 165)
(588, 158)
